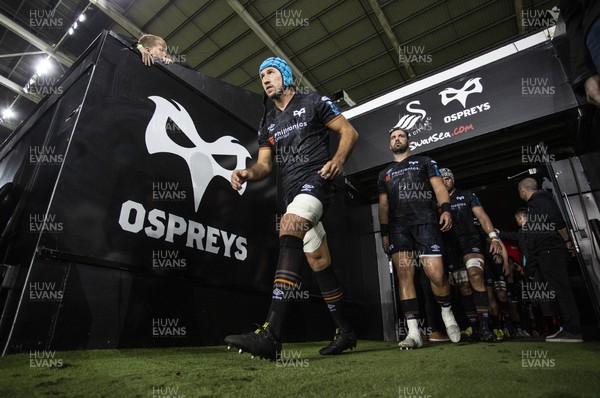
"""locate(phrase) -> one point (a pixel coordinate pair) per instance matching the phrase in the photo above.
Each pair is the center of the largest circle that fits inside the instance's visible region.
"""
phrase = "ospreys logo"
(471, 86)
(300, 112)
(200, 158)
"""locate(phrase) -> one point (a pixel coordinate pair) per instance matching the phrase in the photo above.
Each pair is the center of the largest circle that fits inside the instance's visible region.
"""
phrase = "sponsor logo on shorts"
(435, 248)
(307, 188)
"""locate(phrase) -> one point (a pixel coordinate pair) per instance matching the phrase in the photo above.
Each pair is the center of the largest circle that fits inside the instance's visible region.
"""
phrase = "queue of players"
(498, 298)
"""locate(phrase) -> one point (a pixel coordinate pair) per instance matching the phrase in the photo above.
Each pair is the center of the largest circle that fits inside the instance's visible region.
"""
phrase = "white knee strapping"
(474, 262)
(307, 207)
(313, 238)
(460, 276)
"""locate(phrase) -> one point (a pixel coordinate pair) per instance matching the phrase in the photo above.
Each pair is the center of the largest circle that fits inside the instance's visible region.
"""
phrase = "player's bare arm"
(260, 170)
(488, 227)
(348, 138)
(383, 219)
(442, 196)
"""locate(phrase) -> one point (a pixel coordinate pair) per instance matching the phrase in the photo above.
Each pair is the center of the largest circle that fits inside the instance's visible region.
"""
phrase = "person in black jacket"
(548, 243)
(534, 281)
(582, 20)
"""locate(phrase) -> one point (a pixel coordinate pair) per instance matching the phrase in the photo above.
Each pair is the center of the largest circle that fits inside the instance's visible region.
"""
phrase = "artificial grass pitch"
(374, 369)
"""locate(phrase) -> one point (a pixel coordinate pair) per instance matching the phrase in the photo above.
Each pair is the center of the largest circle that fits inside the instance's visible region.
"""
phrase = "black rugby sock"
(481, 303)
(332, 294)
(410, 308)
(469, 306)
(287, 279)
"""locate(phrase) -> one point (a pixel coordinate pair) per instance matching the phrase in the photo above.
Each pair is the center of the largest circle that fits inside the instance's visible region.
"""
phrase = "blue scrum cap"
(280, 65)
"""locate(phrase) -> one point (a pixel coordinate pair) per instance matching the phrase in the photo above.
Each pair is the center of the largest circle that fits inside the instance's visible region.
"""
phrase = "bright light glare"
(7, 113)
(43, 67)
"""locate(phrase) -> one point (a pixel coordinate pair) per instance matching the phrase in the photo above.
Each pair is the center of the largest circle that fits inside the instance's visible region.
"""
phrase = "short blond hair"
(150, 41)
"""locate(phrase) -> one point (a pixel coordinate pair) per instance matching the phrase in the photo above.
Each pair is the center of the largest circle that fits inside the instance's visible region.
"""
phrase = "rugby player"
(464, 239)
(409, 190)
(299, 123)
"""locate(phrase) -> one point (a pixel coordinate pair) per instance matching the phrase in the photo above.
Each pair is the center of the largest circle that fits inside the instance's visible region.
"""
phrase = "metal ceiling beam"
(269, 42)
(8, 124)
(391, 36)
(18, 89)
(36, 41)
(22, 54)
(116, 13)
(519, 16)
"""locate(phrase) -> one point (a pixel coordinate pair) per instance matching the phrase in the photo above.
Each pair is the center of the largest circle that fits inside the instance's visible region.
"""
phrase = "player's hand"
(506, 268)
(332, 169)
(238, 178)
(385, 242)
(445, 221)
(570, 248)
(167, 60)
(592, 90)
(147, 58)
(495, 247)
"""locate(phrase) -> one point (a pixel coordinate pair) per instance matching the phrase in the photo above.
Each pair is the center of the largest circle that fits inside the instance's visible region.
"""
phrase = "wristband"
(446, 207)
(385, 230)
(493, 234)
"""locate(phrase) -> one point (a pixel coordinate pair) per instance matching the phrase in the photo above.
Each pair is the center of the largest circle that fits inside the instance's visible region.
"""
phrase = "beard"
(275, 95)
(399, 149)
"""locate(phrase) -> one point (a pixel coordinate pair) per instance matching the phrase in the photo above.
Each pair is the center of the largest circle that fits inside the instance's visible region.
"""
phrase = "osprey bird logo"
(471, 86)
(200, 159)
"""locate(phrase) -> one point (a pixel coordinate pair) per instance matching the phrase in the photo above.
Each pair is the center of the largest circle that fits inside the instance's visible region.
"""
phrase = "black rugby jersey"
(299, 137)
(410, 195)
(462, 203)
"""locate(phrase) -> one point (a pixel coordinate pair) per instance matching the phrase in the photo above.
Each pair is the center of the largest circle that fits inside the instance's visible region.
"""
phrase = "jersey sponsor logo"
(200, 157)
(450, 94)
(299, 112)
(285, 132)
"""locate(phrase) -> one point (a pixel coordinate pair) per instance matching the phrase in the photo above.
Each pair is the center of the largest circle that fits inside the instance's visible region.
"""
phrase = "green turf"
(374, 369)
